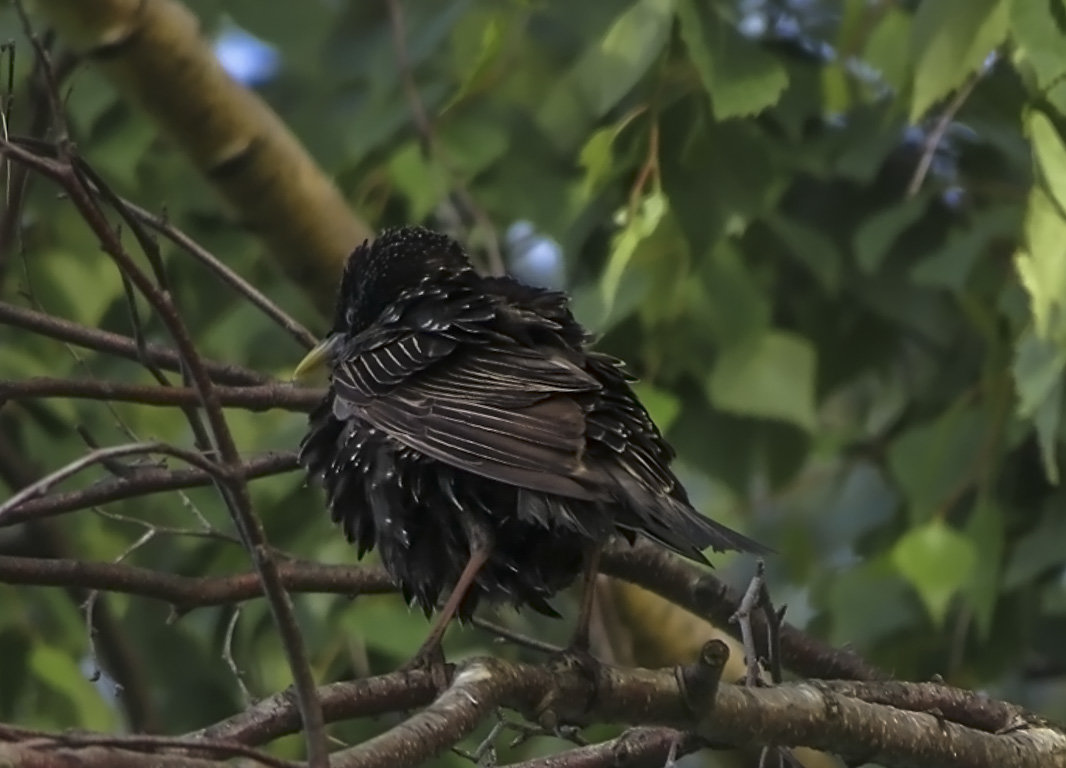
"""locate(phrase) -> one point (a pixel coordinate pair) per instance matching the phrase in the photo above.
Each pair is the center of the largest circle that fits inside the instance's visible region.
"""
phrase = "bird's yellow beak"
(317, 359)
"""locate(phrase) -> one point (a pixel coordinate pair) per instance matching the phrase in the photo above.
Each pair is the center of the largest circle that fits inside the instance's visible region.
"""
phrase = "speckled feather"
(466, 407)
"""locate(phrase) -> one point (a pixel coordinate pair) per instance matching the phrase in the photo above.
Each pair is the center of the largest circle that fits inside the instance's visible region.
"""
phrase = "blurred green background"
(829, 237)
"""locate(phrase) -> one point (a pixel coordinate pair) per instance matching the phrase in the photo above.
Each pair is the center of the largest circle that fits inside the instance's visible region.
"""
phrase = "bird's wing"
(492, 407)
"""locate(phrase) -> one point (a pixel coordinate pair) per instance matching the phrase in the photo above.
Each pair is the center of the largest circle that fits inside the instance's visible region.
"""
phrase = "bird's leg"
(430, 654)
(580, 641)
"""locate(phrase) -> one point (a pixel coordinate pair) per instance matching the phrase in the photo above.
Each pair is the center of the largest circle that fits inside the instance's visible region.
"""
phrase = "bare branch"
(232, 487)
(185, 593)
(98, 457)
(117, 344)
(142, 481)
(254, 296)
(254, 398)
(47, 742)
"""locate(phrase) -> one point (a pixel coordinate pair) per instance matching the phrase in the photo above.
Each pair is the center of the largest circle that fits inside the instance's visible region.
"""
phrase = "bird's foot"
(556, 715)
(430, 658)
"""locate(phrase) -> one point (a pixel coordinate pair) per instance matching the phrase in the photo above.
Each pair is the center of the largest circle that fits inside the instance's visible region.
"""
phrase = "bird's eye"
(349, 316)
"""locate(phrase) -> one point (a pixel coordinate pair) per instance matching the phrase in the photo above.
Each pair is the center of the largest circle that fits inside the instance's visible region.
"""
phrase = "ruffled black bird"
(471, 436)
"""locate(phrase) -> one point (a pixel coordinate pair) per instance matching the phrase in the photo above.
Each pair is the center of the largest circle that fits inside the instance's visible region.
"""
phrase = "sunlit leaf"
(640, 226)
(1042, 264)
(950, 40)
(1038, 38)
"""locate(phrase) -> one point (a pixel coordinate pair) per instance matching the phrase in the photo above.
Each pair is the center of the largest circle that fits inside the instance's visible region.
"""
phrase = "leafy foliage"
(828, 236)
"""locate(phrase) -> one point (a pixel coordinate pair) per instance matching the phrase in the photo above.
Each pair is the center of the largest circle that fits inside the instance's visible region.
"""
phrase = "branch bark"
(154, 52)
(185, 593)
(254, 398)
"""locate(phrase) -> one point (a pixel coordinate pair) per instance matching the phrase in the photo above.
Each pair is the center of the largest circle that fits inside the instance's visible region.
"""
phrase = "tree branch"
(231, 485)
(701, 593)
(791, 715)
(185, 593)
(139, 482)
(636, 748)
(154, 52)
(119, 345)
(261, 397)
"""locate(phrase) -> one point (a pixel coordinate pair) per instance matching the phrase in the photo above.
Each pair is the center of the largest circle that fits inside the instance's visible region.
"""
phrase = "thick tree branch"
(154, 52)
(831, 716)
(796, 714)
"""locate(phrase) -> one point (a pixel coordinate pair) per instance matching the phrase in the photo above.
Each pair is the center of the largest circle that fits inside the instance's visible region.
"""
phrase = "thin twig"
(504, 633)
(254, 296)
(227, 656)
(936, 135)
(429, 145)
(232, 488)
(742, 618)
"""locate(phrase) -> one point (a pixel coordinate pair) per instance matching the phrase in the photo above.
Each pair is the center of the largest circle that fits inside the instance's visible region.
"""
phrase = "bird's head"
(375, 275)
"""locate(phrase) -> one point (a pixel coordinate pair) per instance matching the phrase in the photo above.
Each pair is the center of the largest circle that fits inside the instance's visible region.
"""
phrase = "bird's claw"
(430, 658)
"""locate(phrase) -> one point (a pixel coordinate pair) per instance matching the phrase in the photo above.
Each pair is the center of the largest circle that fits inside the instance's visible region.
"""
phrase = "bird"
(472, 436)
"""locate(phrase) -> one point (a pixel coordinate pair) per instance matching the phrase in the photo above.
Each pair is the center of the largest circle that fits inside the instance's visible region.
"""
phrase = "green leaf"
(938, 561)
(597, 158)
(858, 619)
(876, 235)
(424, 182)
(1038, 551)
(886, 48)
(1038, 369)
(772, 377)
(728, 303)
(1050, 155)
(931, 461)
(985, 529)
(952, 265)
(479, 43)
(61, 673)
(1039, 39)
(70, 273)
(811, 247)
(740, 77)
(640, 226)
(607, 71)
(949, 40)
(1041, 264)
